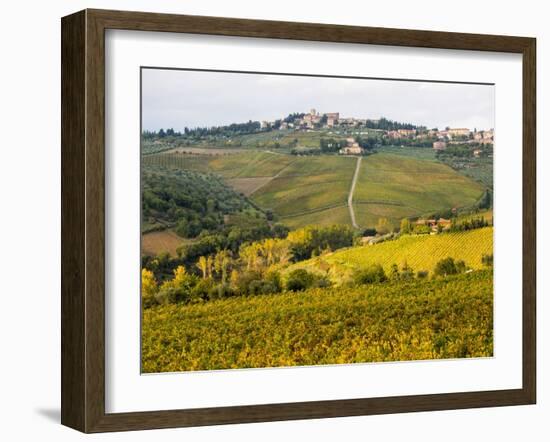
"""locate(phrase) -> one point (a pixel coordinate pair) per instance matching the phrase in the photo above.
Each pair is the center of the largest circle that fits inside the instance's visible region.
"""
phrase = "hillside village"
(440, 139)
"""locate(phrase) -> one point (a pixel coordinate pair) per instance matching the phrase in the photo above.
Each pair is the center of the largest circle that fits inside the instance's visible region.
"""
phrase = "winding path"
(351, 190)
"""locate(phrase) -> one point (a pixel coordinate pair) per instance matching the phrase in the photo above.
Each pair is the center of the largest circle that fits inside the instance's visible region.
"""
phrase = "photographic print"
(303, 220)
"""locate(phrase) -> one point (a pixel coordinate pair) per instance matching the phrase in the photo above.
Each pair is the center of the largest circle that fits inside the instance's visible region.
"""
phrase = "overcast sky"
(175, 98)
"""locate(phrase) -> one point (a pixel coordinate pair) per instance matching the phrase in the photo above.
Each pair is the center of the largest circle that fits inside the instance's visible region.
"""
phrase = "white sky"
(174, 98)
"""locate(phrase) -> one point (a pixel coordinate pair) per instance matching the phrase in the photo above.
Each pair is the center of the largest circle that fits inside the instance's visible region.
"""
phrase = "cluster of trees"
(263, 246)
(469, 224)
(385, 124)
(368, 143)
(385, 228)
(222, 277)
(245, 266)
(229, 130)
(190, 201)
(330, 145)
(198, 132)
(464, 151)
(448, 266)
(229, 237)
(162, 133)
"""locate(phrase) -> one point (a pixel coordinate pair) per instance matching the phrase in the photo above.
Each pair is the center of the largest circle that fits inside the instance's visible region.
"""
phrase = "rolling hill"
(303, 190)
(394, 186)
(421, 252)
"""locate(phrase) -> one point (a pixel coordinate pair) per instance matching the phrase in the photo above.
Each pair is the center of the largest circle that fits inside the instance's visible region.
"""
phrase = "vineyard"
(392, 321)
(302, 190)
(407, 187)
(421, 252)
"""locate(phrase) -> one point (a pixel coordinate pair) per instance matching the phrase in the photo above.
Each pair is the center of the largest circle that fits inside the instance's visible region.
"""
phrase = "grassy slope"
(308, 183)
(423, 319)
(391, 186)
(336, 215)
(418, 153)
(235, 165)
(421, 252)
(417, 187)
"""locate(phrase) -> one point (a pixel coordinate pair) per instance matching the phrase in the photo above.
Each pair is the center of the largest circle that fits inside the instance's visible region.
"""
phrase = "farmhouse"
(352, 150)
(439, 145)
(407, 132)
(459, 132)
(433, 223)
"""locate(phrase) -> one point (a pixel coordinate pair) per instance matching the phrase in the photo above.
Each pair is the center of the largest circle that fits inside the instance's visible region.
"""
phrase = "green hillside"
(308, 184)
(392, 321)
(396, 186)
(303, 190)
(421, 252)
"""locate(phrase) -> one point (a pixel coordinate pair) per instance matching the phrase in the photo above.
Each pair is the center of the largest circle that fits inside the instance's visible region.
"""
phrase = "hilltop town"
(440, 139)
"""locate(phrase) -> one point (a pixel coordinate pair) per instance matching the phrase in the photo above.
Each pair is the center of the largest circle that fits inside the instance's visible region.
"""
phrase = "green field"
(421, 252)
(326, 217)
(392, 321)
(418, 153)
(303, 190)
(418, 187)
(308, 184)
(232, 165)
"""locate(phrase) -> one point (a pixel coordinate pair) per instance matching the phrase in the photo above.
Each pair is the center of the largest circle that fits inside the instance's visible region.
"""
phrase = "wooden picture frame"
(83, 220)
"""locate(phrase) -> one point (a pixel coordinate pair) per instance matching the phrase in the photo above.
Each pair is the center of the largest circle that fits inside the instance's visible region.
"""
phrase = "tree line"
(220, 277)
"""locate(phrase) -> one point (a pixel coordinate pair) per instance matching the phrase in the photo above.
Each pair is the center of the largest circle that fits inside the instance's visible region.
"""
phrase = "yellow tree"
(202, 264)
(148, 286)
(179, 279)
(222, 260)
(209, 265)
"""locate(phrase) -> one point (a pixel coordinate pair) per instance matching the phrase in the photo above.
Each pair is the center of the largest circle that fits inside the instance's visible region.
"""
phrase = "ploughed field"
(390, 321)
(302, 190)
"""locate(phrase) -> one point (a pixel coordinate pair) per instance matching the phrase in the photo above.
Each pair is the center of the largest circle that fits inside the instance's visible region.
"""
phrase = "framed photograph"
(268, 221)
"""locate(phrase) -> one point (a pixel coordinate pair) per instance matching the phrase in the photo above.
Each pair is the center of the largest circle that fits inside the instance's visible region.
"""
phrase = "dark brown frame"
(83, 215)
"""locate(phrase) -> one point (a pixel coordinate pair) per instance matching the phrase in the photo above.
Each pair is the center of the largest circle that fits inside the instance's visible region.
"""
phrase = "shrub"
(202, 289)
(487, 260)
(242, 282)
(421, 229)
(460, 266)
(448, 266)
(299, 279)
(394, 272)
(220, 291)
(321, 282)
(274, 279)
(370, 275)
(179, 289)
(422, 274)
(407, 273)
(369, 232)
